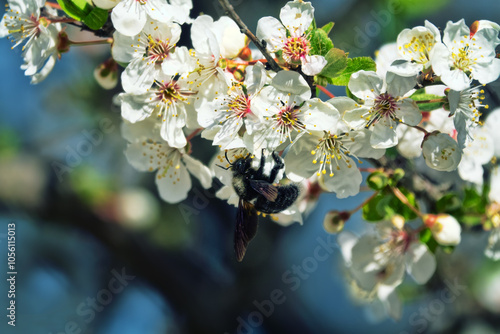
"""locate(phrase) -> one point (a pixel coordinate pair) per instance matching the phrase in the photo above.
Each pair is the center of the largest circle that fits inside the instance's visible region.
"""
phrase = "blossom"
(464, 56)
(231, 113)
(476, 154)
(289, 36)
(285, 113)
(333, 151)
(384, 57)
(23, 23)
(376, 262)
(129, 17)
(464, 107)
(415, 46)
(441, 152)
(169, 99)
(147, 53)
(147, 151)
(445, 228)
(385, 105)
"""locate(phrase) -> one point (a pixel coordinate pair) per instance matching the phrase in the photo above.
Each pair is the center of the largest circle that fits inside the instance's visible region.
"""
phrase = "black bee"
(258, 192)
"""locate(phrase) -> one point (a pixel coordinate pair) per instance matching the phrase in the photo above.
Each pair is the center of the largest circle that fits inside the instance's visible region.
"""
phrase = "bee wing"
(246, 228)
(266, 189)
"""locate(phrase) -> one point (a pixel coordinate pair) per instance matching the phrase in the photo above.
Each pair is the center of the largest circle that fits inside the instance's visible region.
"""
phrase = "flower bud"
(106, 74)
(441, 152)
(445, 229)
(335, 220)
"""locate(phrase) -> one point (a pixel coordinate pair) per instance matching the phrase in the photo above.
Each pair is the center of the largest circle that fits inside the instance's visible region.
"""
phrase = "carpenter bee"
(258, 193)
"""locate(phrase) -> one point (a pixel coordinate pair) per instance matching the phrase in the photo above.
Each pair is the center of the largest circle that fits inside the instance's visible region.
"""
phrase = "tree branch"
(228, 8)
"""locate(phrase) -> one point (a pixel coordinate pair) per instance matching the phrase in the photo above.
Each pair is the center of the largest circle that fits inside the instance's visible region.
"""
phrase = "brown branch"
(228, 8)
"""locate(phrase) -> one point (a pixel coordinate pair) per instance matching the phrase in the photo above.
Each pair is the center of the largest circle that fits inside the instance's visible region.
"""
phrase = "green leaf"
(370, 211)
(420, 95)
(96, 18)
(337, 62)
(377, 180)
(327, 27)
(80, 10)
(427, 238)
(353, 65)
(320, 42)
(449, 203)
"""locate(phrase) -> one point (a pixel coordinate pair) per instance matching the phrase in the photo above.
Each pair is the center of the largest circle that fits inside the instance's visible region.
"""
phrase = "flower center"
(470, 100)
(419, 48)
(462, 59)
(158, 50)
(142, 2)
(296, 49)
(329, 151)
(384, 107)
(287, 120)
(21, 27)
(239, 106)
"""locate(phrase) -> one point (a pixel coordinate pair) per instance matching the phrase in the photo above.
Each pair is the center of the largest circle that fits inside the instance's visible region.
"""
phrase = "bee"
(258, 193)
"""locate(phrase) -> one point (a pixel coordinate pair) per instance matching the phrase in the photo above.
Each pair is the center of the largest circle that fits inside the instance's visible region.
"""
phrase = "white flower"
(376, 262)
(226, 31)
(415, 46)
(232, 113)
(285, 114)
(384, 106)
(445, 228)
(22, 23)
(464, 107)
(146, 54)
(289, 36)
(147, 151)
(169, 99)
(441, 152)
(492, 123)
(463, 56)
(476, 154)
(333, 152)
(129, 17)
(384, 58)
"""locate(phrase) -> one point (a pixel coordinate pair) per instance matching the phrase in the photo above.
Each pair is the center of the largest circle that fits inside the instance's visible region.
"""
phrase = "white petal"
(292, 82)
(407, 111)
(365, 84)
(399, 85)
(383, 136)
(135, 108)
(297, 16)
(320, 116)
(173, 184)
(355, 117)
(199, 170)
(139, 76)
(128, 17)
(312, 65)
(420, 262)
(272, 31)
(486, 72)
(345, 181)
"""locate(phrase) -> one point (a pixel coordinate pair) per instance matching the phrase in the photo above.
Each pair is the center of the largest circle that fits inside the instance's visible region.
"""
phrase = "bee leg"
(277, 166)
(260, 171)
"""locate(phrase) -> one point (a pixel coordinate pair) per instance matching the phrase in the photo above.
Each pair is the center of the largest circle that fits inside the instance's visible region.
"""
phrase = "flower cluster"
(421, 97)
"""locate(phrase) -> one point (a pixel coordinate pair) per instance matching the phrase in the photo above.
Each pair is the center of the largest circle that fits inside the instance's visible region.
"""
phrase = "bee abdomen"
(287, 194)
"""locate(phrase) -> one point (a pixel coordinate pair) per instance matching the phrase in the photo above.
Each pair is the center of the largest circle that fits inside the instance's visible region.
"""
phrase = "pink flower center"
(296, 49)
(158, 50)
(384, 107)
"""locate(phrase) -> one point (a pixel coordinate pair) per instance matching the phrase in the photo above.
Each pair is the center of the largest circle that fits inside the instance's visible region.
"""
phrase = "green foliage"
(377, 180)
(80, 10)
(420, 95)
(385, 205)
(337, 62)
(353, 65)
(320, 42)
(327, 27)
(427, 238)
(468, 210)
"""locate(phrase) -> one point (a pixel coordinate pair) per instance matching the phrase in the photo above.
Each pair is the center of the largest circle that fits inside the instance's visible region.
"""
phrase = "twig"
(326, 91)
(405, 201)
(228, 8)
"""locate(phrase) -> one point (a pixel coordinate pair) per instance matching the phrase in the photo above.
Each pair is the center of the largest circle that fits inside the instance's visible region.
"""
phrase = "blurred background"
(97, 251)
